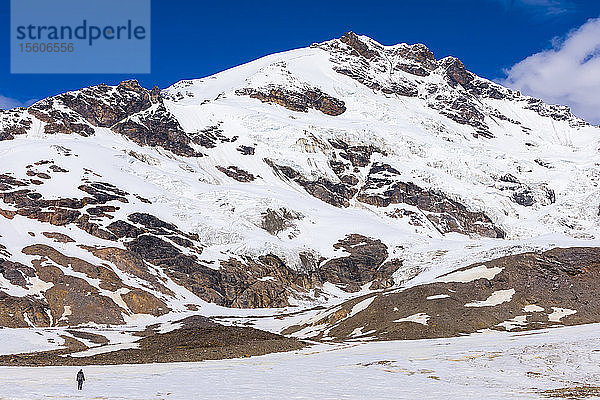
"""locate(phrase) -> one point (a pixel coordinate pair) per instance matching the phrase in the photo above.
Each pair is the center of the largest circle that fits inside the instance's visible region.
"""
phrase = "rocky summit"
(345, 190)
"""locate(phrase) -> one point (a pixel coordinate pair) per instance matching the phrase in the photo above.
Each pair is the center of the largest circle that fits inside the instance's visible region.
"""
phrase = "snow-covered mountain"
(303, 178)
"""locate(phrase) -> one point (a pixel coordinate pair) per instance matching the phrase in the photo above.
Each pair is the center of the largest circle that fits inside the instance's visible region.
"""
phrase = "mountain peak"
(365, 46)
(361, 46)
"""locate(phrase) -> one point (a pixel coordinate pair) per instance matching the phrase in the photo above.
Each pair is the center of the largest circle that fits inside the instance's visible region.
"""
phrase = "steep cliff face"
(302, 178)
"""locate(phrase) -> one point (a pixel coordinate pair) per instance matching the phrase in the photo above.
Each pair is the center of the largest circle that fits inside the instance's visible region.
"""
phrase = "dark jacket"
(80, 377)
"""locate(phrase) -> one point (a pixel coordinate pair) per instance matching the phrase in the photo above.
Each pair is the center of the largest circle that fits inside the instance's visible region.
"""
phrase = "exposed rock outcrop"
(157, 127)
(300, 101)
(384, 187)
(515, 293)
(211, 136)
(127, 109)
(237, 173)
(363, 60)
(335, 193)
(367, 262)
(275, 221)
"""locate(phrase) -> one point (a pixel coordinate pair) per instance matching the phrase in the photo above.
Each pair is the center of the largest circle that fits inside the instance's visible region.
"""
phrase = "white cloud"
(540, 7)
(7, 103)
(568, 73)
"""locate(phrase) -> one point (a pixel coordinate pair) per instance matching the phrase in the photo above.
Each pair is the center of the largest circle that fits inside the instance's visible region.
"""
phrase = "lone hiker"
(80, 379)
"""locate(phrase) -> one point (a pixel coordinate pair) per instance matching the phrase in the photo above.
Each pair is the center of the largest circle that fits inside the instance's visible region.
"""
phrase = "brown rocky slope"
(516, 293)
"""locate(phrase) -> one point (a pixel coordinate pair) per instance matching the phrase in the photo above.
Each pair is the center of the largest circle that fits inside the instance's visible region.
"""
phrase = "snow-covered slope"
(302, 178)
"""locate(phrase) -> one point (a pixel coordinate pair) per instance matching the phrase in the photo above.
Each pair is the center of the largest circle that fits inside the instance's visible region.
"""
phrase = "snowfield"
(491, 365)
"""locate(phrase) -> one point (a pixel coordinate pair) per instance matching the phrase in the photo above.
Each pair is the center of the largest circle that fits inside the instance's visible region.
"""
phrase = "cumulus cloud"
(539, 7)
(568, 73)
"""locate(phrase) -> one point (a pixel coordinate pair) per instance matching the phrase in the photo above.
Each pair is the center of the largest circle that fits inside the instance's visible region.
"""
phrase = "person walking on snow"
(80, 379)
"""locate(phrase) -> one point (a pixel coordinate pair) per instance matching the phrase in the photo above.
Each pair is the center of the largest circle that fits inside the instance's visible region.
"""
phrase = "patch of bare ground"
(198, 339)
(575, 392)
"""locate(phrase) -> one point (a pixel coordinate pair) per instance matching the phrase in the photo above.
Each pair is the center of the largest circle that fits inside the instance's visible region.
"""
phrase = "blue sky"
(192, 39)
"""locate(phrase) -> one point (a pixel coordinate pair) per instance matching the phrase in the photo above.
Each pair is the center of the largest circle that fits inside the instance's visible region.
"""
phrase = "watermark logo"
(75, 36)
